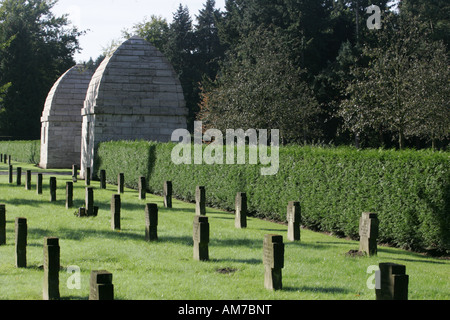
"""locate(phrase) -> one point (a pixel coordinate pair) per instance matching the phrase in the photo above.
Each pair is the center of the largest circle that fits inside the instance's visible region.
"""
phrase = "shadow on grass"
(329, 290)
(248, 261)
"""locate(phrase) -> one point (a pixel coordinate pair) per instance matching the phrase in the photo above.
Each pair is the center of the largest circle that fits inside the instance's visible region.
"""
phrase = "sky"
(104, 20)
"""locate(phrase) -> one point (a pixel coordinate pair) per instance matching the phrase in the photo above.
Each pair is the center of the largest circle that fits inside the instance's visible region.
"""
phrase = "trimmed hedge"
(22, 151)
(410, 190)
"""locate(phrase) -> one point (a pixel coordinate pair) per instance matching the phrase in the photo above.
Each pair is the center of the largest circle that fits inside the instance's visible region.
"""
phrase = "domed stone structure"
(61, 119)
(134, 94)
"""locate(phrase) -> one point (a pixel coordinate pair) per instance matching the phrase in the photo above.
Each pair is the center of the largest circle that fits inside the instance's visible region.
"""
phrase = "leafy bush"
(410, 190)
(22, 151)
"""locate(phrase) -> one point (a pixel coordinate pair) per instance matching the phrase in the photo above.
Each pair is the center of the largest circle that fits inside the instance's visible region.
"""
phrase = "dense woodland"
(311, 68)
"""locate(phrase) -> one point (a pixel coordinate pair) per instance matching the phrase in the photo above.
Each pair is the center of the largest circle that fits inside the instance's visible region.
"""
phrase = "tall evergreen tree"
(179, 49)
(208, 48)
(41, 48)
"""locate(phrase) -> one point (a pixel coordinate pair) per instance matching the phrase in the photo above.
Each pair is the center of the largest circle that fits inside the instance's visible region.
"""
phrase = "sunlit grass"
(315, 268)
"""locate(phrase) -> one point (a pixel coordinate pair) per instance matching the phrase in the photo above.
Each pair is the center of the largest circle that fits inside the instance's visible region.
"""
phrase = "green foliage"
(154, 30)
(262, 89)
(40, 47)
(410, 190)
(403, 87)
(22, 151)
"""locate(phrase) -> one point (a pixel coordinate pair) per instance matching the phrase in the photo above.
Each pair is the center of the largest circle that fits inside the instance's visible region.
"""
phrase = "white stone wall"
(134, 94)
(61, 119)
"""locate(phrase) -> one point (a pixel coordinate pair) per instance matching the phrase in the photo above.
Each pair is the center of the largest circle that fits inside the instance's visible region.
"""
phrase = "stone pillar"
(51, 269)
(120, 183)
(115, 212)
(101, 287)
(2, 224)
(151, 222)
(52, 189)
(69, 195)
(273, 261)
(89, 202)
(87, 177)
(294, 218)
(368, 232)
(200, 201)
(74, 173)
(19, 176)
(168, 194)
(241, 211)
(28, 180)
(21, 229)
(82, 213)
(102, 179)
(392, 283)
(201, 238)
(142, 188)
(39, 183)
(11, 174)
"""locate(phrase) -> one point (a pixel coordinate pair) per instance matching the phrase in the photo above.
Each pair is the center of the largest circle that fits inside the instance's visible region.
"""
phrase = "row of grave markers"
(392, 280)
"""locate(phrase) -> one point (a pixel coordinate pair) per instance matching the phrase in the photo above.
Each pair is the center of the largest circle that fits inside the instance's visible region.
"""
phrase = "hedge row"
(410, 190)
(22, 151)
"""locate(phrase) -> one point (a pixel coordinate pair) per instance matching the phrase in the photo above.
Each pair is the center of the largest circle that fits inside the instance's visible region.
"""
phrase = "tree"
(433, 14)
(154, 30)
(179, 50)
(208, 48)
(389, 93)
(261, 89)
(41, 48)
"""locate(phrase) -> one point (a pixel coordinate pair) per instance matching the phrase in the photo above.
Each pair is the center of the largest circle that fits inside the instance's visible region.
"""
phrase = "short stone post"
(69, 195)
(51, 269)
(101, 287)
(11, 174)
(2, 224)
(294, 218)
(28, 180)
(168, 194)
(52, 189)
(120, 183)
(89, 202)
(151, 222)
(39, 183)
(19, 176)
(392, 283)
(102, 179)
(21, 229)
(87, 177)
(200, 201)
(241, 211)
(368, 232)
(142, 188)
(81, 213)
(273, 261)
(74, 173)
(201, 238)
(115, 212)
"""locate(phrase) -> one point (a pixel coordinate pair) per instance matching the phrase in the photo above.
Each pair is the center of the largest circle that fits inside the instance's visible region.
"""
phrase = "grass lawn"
(315, 268)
